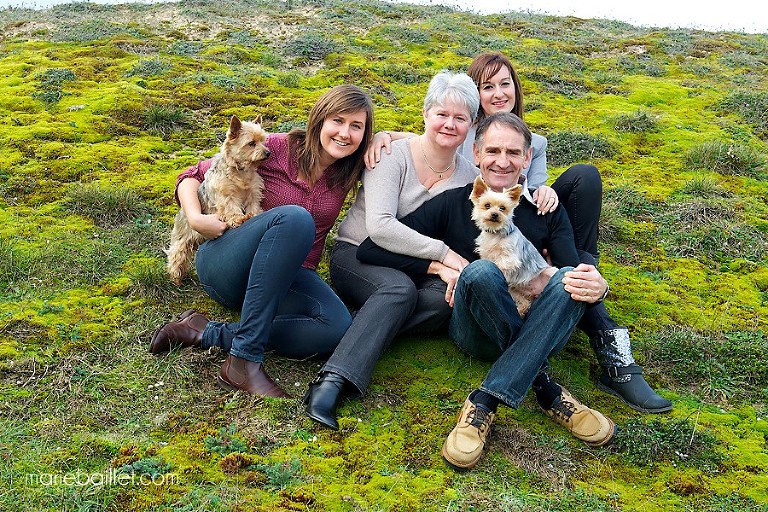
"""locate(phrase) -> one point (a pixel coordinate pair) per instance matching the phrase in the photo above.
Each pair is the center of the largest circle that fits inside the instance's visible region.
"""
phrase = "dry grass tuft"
(551, 461)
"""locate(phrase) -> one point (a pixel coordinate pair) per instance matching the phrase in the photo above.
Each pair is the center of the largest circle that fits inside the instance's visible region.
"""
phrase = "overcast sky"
(736, 15)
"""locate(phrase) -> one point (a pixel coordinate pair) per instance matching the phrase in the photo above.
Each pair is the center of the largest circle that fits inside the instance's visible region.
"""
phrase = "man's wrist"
(605, 293)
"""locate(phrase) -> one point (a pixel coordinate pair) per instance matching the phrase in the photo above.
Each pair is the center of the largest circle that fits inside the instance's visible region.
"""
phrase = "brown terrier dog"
(232, 189)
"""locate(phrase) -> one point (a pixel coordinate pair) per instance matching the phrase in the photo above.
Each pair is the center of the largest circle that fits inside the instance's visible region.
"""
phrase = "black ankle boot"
(322, 397)
(628, 384)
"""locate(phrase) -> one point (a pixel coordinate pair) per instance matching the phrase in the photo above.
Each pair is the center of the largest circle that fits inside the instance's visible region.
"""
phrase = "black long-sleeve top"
(448, 217)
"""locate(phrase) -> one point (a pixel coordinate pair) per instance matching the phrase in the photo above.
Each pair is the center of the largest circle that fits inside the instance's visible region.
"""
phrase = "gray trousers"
(386, 302)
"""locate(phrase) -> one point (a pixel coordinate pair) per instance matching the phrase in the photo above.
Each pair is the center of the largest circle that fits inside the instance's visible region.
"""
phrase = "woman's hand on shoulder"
(208, 224)
(381, 140)
(546, 199)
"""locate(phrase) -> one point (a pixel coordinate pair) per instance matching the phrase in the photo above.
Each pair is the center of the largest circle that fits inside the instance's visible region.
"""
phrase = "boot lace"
(563, 409)
(478, 418)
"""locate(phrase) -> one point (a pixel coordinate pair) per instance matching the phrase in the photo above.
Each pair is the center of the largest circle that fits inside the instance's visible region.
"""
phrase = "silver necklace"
(439, 173)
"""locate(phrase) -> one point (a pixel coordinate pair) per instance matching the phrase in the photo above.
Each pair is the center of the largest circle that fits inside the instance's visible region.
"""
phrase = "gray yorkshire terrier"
(526, 271)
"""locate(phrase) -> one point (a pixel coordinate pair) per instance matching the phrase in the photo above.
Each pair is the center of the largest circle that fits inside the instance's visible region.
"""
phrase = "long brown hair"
(342, 99)
(484, 66)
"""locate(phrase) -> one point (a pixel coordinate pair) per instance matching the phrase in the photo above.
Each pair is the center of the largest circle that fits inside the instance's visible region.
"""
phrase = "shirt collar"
(523, 180)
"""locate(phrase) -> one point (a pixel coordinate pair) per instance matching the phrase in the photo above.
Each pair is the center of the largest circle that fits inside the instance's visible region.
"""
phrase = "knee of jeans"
(559, 274)
(297, 218)
(227, 302)
(402, 290)
(478, 273)
(556, 281)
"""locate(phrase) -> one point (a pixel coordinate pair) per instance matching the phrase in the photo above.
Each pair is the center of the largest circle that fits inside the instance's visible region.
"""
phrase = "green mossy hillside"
(102, 105)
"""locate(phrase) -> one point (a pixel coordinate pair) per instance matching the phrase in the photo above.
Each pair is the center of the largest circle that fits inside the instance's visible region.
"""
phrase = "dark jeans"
(485, 324)
(596, 318)
(257, 268)
(580, 190)
(388, 302)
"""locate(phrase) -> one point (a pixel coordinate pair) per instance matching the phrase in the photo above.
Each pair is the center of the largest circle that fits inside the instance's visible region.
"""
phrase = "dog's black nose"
(267, 152)
(494, 217)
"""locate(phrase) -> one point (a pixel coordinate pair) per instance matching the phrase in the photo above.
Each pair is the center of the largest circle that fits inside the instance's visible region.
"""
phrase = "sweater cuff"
(444, 253)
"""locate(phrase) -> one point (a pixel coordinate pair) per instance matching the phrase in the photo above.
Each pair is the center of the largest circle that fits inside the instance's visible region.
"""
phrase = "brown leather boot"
(187, 332)
(237, 373)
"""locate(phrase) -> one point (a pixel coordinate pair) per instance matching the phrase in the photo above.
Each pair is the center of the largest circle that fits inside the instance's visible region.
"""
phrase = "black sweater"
(448, 217)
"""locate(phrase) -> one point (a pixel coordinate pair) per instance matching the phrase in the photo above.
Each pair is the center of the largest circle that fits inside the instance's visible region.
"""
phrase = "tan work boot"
(589, 425)
(464, 445)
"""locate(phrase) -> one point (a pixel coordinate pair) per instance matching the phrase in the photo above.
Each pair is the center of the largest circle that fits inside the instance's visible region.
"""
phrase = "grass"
(107, 206)
(106, 104)
(636, 122)
(752, 106)
(567, 147)
(312, 46)
(647, 443)
(725, 367)
(164, 119)
(149, 67)
(725, 158)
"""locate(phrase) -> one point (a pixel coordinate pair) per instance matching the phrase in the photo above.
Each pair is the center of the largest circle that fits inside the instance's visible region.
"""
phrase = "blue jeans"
(257, 268)
(485, 324)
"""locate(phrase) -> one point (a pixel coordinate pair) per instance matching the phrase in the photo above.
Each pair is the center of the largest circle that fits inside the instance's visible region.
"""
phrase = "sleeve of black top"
(369, 252)
(428, 219)
(562, 246)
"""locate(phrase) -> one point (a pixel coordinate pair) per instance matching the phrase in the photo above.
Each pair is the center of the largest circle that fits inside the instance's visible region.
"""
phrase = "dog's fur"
(526, 271)
(232, 189)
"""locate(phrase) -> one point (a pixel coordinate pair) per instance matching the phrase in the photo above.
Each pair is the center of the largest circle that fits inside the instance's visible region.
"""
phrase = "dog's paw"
(176, 278)
(238, 221)
(175, 272)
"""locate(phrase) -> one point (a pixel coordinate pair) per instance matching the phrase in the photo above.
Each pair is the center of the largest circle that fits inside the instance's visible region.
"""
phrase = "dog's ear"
(234, 127)
(478, 189)
(258, 120)
(515, 192)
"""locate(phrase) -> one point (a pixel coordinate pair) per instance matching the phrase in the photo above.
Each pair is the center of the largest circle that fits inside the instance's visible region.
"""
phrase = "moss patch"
(102, 106)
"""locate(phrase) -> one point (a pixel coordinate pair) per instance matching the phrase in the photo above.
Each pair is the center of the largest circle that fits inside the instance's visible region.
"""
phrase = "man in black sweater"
(485, 322)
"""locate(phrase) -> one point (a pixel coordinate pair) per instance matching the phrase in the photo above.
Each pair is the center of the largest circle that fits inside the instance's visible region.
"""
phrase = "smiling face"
(341, 134)
(447, 125)
(497, 93)
(502, 156)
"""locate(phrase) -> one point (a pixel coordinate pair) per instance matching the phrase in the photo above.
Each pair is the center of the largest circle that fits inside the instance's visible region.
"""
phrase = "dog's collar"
(510, 229)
